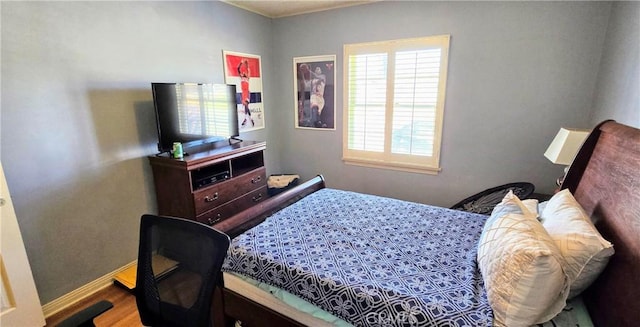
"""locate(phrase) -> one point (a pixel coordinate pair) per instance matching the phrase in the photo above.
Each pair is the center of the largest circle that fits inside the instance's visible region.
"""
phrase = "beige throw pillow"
(585, 251)
(521, 267)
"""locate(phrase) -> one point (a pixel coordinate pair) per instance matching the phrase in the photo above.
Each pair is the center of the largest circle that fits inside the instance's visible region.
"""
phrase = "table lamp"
(564, 148)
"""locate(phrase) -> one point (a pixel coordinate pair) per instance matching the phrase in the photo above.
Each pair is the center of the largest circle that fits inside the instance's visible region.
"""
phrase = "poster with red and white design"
(245, 72)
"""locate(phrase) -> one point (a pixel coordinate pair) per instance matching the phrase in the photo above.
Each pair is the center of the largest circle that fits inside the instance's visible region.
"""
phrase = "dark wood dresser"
(211, 184)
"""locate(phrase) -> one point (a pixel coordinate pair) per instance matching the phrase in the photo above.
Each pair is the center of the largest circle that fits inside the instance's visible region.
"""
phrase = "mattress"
(575, 314)
(281, 301)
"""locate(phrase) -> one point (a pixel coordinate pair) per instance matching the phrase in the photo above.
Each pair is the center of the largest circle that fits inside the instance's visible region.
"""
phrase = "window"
(394, 103)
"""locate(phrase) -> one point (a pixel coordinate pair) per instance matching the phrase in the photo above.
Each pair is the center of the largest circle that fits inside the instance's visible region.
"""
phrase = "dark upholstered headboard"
(605, 179)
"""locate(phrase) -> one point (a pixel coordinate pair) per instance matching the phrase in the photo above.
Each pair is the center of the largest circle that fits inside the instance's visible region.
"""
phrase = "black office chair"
(485, 201)
(179, 263)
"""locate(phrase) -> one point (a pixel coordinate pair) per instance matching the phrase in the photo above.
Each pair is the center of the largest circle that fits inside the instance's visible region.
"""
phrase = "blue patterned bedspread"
(370, 260)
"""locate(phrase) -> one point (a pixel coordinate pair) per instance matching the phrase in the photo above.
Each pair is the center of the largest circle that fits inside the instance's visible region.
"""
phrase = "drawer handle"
(213, 221)
(257, 198)
(211, 198)
(256, 179)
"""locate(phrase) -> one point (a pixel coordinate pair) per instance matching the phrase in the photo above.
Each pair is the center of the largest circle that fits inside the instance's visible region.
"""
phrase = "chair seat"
(485, 201)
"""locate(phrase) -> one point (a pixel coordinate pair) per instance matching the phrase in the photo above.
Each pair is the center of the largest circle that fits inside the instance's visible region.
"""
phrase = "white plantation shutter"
(415, 99)
(367, 100)
(394, 103)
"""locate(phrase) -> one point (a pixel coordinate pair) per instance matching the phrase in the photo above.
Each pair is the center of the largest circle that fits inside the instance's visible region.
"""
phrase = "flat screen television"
(194, 113)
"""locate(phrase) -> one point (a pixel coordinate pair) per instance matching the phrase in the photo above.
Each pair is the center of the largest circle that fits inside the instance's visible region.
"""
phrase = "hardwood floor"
(123, 314)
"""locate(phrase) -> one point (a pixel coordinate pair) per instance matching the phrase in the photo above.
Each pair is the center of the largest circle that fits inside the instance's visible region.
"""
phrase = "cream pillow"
(532, 206)
(512, 204)
(585, 251)
(521, 267)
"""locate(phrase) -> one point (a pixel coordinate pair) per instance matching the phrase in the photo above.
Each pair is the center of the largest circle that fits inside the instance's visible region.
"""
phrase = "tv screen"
(193, 114)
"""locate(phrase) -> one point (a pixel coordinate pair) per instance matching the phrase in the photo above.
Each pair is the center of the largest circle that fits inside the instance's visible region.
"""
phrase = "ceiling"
(277, 9)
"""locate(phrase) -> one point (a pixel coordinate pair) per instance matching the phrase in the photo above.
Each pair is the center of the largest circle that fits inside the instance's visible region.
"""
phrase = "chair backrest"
(179, 263)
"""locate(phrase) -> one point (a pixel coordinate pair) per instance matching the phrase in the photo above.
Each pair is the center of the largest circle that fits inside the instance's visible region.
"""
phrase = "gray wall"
(78, 120)
(618, 88)
(518, 71)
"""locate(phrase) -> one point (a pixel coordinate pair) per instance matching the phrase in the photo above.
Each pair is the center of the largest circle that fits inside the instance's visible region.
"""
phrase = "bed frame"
(604, 178)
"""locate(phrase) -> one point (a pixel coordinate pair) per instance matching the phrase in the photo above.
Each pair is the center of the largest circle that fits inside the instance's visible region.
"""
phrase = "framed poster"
(314, 92)
(245, 72)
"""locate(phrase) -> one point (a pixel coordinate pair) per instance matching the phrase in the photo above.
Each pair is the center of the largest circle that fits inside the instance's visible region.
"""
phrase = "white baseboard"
(74, 296)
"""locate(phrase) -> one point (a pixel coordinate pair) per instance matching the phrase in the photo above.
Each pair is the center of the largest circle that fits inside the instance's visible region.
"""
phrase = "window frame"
(386, 159)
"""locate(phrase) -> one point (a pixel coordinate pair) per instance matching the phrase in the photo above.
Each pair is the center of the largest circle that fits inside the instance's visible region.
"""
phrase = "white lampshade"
(565, 145)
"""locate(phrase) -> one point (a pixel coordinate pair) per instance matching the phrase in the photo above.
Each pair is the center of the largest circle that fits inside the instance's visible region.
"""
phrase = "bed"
(604, 179)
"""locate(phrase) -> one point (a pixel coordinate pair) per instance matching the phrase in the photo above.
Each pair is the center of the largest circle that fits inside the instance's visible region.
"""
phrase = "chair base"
(85, 317)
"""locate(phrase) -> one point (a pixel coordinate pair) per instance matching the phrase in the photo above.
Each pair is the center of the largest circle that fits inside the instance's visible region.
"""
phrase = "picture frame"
(314, 80)
(245, 72)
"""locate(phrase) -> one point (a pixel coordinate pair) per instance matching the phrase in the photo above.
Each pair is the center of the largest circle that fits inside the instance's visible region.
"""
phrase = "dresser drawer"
(219, 194)
(229, 209)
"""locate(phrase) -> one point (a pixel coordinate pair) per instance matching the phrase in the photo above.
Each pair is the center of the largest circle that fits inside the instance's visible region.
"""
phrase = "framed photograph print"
(245, 72)
(314, 92)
